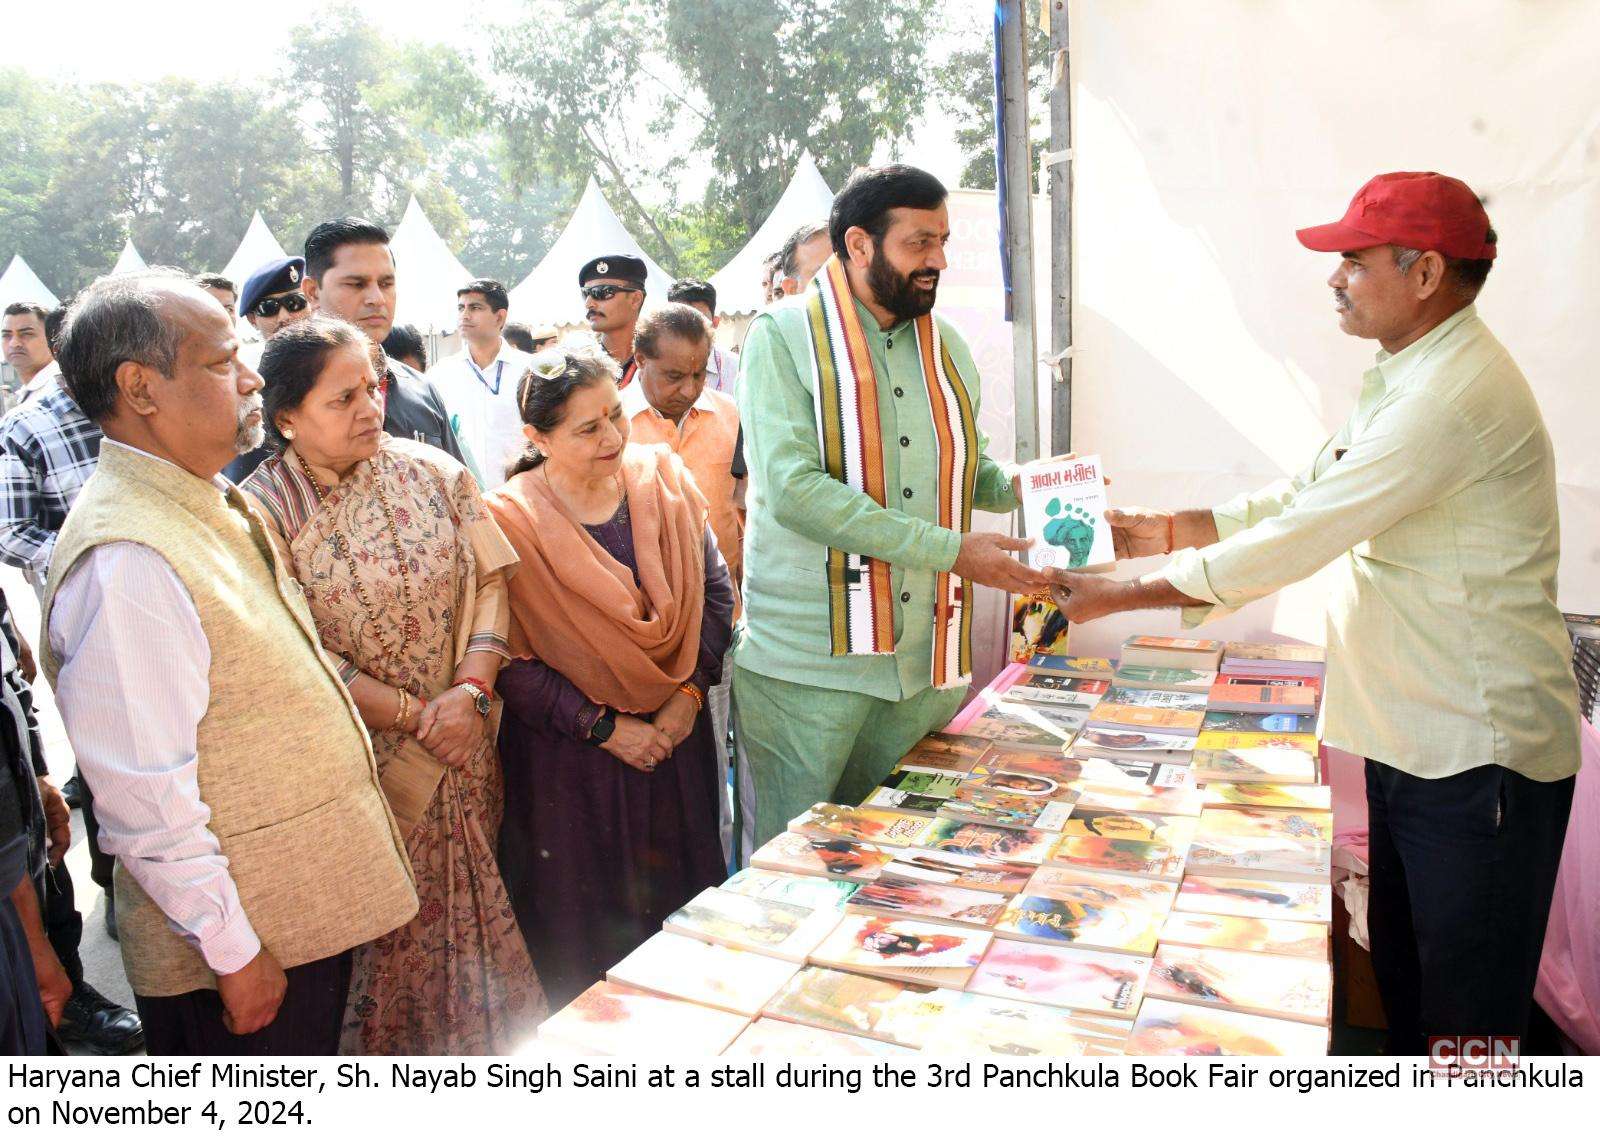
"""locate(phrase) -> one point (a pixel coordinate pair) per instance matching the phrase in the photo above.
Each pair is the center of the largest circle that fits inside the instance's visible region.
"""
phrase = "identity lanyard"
(498, 368)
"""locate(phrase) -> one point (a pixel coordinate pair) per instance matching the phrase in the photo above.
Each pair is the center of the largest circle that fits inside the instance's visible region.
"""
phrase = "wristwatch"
(603, 726)
(480, 701)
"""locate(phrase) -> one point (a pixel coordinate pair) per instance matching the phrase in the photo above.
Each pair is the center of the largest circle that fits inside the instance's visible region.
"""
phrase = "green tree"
(340, 65)
(965, 82)
(777, 77)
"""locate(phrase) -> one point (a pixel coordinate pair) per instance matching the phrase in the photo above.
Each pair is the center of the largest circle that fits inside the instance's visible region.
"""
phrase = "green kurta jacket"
(797, 511)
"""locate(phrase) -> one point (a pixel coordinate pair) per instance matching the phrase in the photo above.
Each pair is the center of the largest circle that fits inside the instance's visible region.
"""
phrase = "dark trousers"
(308, 1022)
(23, 1027)
(63, 923)
(1463, 869)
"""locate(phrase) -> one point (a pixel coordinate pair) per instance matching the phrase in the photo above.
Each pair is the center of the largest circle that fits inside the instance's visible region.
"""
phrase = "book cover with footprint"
(1064, 508)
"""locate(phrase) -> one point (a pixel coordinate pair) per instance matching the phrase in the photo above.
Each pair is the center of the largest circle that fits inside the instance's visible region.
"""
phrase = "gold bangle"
(694, 693)
(403, 713)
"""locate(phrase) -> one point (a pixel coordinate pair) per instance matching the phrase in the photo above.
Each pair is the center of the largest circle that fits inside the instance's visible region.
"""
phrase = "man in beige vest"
(238, 789)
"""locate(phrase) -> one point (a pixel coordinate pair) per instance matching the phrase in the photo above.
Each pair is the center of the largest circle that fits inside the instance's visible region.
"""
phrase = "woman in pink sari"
(405, 575)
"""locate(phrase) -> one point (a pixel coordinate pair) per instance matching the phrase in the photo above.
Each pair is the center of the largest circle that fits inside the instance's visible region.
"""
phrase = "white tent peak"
(550, 295)
(806, 198)
(427, 274)
(19, 284)
(129, 259)
(257, 248)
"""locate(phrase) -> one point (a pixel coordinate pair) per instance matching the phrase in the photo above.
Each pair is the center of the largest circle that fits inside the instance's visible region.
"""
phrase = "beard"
(897, 291)
(247, 435)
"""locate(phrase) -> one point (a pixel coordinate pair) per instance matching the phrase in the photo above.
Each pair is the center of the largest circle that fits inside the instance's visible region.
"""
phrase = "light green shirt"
(797, 511)
(1436, 501)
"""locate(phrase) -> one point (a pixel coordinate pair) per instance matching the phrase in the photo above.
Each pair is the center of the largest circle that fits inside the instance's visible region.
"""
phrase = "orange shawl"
(576, 607)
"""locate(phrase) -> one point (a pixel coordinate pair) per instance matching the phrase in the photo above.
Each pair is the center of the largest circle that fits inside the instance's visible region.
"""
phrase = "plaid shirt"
(48, 449)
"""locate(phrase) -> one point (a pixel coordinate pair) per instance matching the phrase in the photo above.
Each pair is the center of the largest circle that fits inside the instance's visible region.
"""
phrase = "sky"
(208, 41)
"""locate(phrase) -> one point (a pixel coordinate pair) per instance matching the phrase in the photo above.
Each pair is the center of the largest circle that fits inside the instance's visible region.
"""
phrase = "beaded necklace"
(341, 546)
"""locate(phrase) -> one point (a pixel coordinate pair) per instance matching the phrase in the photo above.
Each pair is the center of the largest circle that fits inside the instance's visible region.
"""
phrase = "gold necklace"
(341, 545)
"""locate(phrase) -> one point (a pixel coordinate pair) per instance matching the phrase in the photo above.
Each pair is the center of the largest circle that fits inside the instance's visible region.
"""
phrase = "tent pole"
(1019, 223)
(1060, 169)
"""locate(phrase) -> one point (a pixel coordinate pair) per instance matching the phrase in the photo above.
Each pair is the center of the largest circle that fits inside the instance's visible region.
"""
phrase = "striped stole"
(845, 398)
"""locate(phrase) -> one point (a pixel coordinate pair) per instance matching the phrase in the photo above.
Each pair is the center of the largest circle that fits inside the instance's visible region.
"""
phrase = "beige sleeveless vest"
(284, 763)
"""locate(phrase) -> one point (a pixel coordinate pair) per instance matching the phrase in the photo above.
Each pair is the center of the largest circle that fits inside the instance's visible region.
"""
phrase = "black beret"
(617, 266)
(279, 275)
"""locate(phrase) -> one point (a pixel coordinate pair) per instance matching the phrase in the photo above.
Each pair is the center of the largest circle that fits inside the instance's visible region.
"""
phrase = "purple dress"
(594, 853)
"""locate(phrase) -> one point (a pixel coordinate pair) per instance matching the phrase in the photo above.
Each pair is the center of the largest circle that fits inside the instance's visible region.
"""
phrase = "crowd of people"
(407, 699)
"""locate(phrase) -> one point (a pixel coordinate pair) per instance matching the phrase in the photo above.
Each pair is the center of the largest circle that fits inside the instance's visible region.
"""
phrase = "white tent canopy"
(258, 247)
(427, 274)
(19, 284)
(807, 198)
(550, 293)
(129, 259)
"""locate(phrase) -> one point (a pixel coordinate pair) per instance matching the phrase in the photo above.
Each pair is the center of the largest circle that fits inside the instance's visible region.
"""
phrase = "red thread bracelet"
(1172, 531)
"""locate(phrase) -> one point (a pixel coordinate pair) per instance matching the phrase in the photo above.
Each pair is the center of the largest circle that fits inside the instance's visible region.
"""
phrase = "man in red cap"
(1449, 666)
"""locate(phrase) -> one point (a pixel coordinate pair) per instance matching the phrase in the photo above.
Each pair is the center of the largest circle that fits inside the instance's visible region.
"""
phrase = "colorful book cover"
(1285, 824)
(827, 821)
(827, 999)
(1256, 765)
(1071, 883)
(1064, 511)
(1050, 694)
(1269, 795)
(1182, 1030)
(1060, 976)
(1173, 643)
(1037, 627)
(981, 1025)
(911, 951)
(1261, 899)
(735, 919)
(774, 1038)
(938, 902)
(1093, 919)
(1122, 716)
(1270, 858)
(806, 891)
(1314, 682)
(1244, 933)
(684, 968)
(820, 857)
(1142, 799)
(1259, 698)
(1004, 726)
(1171, 651)
(1007, 781)
(981, 873)
(1156, 699)
(1195, 679)
(1112, 772)
(1016, 811)
(1244, 722)
(1076, 666)
(1133, 858)
(1249, 740)
(1131, 825)
(945, 753)
(1278, 986)
(907, 789)
(1021, 760)
(1018, 846)
(1106, 742)
(609, 1018)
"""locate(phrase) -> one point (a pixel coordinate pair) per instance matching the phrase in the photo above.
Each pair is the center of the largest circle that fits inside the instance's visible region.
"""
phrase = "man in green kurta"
(859, 412)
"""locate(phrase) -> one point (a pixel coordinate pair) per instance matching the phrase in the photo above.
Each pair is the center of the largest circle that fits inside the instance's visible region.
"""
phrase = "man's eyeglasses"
(289, 302)
(607, 291)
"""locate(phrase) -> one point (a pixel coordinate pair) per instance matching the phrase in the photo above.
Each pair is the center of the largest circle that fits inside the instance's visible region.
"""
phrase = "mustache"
(249, 408)
(1341, 300)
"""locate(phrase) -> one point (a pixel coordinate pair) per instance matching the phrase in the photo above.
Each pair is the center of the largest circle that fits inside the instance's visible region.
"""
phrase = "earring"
(288, 433)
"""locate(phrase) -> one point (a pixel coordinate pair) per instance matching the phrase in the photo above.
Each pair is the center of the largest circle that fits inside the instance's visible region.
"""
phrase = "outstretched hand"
(1140, 532)
(1085, 596)
(985, 558)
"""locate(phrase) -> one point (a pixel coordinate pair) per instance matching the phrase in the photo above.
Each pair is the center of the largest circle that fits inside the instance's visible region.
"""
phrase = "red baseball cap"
(1415, 211)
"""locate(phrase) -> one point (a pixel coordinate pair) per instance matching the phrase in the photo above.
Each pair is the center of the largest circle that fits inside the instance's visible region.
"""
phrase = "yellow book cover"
(1253, 740)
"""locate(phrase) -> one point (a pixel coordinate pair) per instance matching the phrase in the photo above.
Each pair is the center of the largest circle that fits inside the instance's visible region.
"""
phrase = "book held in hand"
(1064, 511)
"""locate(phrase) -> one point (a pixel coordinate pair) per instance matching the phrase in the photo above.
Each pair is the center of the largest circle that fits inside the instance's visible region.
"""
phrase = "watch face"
(482, 702)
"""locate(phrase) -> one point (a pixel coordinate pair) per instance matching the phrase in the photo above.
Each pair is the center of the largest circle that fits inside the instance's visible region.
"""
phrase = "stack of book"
(1068, 892)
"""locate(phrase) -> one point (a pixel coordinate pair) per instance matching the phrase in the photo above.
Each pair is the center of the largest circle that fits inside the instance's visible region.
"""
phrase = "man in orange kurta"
(671, 404)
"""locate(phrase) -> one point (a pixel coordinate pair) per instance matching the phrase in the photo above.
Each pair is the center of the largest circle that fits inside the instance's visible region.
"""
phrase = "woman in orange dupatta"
(621, 613)
(404, 573)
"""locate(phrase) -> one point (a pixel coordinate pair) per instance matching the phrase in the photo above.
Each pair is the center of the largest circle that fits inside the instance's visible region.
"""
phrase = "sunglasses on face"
(607, 291)
(289, 302)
